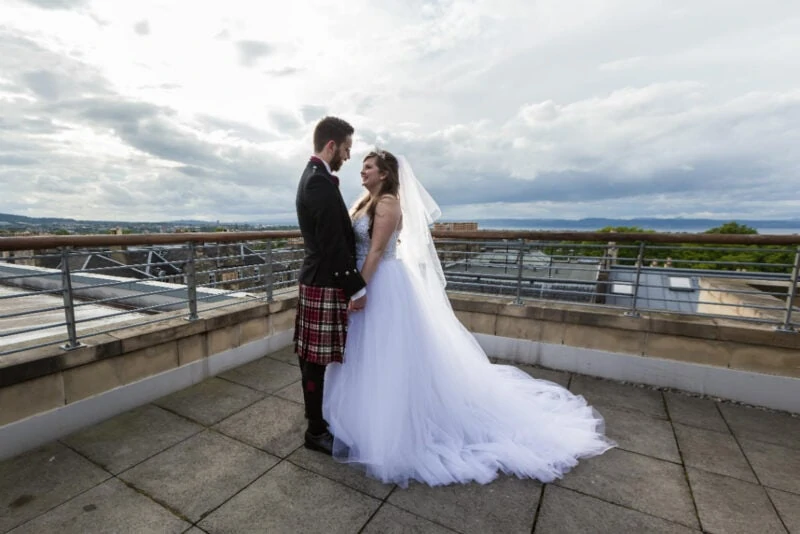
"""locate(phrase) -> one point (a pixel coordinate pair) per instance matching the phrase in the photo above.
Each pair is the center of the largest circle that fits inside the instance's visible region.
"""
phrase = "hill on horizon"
(7, 219)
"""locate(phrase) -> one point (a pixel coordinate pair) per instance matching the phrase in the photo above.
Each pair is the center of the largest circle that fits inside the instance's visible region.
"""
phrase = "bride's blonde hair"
(386, 163)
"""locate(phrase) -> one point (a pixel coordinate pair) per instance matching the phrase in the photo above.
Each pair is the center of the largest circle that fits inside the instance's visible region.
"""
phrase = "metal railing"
(58, 295)
(56, 290)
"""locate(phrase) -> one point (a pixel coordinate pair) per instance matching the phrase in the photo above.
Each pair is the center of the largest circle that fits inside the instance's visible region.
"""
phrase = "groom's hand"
(357, 304)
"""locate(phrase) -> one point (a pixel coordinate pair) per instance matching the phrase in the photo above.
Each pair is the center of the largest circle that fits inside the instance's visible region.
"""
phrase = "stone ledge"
(702, 340)
(712, 329)
(121, 357)
(44, 361)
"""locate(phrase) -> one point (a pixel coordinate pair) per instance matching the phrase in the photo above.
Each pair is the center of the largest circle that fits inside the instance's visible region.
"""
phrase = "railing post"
(520, 265)
(790, 296)
(270, 282)
(69, 307)
(191, 283)
(633, 312)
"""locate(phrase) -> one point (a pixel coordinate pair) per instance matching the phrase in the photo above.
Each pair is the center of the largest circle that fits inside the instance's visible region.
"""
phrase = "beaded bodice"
(361, 229)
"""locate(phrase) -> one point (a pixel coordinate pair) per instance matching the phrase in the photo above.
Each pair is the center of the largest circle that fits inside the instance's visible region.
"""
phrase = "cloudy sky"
(158, 110)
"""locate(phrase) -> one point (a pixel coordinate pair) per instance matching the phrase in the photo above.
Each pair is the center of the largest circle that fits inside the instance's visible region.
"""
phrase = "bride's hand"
(358, 304)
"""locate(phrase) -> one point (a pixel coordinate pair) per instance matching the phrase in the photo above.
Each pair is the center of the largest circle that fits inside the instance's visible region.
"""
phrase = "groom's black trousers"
(313, 380)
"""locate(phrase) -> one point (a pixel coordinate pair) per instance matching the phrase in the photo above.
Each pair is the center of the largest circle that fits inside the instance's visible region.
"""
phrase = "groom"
(328, 278)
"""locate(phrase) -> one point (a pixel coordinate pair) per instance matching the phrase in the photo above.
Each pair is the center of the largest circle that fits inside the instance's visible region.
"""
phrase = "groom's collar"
(334, 179)
(317, 159)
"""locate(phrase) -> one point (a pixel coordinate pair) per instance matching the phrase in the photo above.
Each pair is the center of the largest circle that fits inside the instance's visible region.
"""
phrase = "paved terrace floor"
(226, 456)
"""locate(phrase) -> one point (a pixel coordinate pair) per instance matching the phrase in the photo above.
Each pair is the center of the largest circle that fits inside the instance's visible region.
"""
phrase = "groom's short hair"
(331, 129)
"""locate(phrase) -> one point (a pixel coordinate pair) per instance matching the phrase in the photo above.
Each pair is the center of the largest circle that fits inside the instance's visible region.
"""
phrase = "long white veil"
(416, 247)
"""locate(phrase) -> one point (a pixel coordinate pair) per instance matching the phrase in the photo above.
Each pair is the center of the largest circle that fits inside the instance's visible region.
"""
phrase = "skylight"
(680, 283)
(622, 289)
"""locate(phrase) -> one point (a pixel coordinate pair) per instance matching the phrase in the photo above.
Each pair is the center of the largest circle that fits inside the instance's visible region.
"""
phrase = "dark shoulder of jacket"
(317, 179)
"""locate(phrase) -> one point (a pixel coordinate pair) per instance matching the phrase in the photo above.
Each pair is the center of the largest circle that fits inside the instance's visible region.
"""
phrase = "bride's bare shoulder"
(388, 204)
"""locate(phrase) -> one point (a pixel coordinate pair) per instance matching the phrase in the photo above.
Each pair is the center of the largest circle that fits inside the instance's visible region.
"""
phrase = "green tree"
(732, 228)
(734, 256)
(626, 252)
(687, 256)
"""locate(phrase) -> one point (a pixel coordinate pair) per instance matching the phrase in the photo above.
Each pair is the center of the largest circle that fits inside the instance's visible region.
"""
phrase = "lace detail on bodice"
(361, 229)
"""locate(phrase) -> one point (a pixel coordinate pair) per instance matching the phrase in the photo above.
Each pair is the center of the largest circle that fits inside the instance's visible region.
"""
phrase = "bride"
(416, 397)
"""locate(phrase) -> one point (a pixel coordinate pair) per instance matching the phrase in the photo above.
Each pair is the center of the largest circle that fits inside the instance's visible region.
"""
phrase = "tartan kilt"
(320, 325)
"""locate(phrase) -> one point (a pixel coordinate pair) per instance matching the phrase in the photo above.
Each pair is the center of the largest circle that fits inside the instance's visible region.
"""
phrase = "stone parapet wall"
(714, 342)
(39, 380)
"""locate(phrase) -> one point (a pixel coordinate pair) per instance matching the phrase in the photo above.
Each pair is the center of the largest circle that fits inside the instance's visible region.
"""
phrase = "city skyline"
(624, 109)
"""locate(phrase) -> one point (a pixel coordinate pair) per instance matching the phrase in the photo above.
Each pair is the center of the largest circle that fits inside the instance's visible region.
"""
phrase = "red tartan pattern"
(320, 326)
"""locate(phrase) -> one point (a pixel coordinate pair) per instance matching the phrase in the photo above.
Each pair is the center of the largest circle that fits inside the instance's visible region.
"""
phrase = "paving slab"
(393, 520)
(293, 392)
(291, 499)
(732, 506)
(266, 374)
(346, 474)
(566, 511)
(210, 401)
(762, 425)
(273, 424)
(109, 507)
(125, 440)
(559, 377)
(506, 505)
(788, 505)
(602, 393)
(775, 466)
(199, 474)
(231, 477)
(650, 485)
(34, 482)
(637, 432)
(285, 355)
(713, 451)
(695, 411)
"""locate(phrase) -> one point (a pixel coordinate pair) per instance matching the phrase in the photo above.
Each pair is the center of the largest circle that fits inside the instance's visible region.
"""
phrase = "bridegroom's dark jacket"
(330, 244)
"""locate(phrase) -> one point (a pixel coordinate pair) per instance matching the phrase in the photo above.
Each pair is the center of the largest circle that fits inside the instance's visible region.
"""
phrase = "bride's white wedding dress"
(417, 398)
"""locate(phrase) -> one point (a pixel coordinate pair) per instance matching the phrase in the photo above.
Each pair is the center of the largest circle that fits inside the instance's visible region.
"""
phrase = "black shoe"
(320, 442)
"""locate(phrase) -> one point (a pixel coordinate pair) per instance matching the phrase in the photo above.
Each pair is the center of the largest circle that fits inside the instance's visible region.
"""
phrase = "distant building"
(455, 226)
(495, 268)
(658, 289)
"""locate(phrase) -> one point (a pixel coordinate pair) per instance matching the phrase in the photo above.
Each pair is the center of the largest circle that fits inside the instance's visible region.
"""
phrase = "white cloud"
(125, 110)
(142, 27)
(621, 64)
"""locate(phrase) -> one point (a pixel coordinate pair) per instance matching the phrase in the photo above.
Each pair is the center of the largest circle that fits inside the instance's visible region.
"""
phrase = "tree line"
(778, 259)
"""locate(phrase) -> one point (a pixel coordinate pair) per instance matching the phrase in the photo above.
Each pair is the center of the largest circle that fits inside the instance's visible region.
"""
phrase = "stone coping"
(705, 328)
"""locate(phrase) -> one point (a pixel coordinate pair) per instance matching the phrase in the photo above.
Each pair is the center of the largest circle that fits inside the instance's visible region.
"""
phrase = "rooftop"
(658, 289)
(226, 455)
(45, 310)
